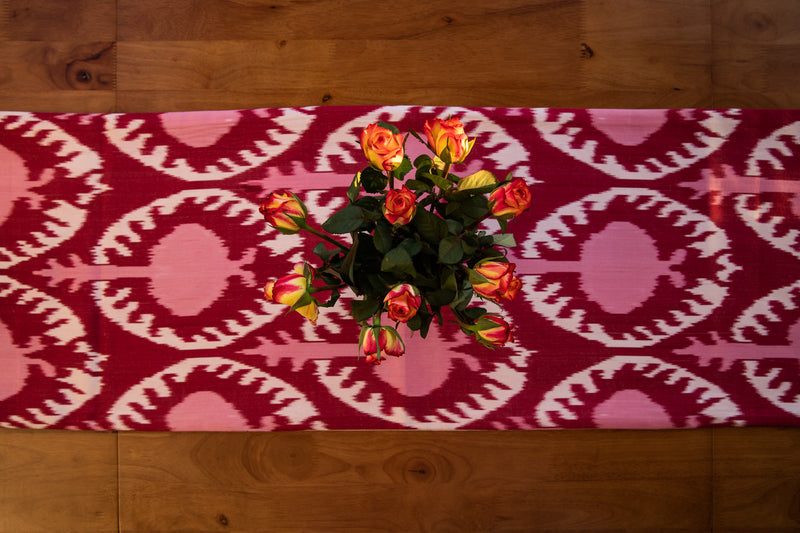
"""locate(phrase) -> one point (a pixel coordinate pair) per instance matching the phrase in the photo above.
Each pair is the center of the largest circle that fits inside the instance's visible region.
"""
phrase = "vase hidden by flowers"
(415, 244)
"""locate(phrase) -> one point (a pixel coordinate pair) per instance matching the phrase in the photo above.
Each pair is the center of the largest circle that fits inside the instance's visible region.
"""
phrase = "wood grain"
(416, 481)
(315, 53)
(757, 480)
(656, 54)
(756, 51)
(58, 481)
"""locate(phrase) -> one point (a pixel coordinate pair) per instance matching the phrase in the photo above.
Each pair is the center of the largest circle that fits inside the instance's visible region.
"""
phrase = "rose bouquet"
(416, 244)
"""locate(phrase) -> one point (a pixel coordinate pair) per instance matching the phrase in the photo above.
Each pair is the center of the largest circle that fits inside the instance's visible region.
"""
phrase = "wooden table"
(143, 55)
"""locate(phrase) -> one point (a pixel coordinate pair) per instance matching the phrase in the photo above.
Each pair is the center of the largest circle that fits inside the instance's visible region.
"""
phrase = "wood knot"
(586, 51)
(448, 20)
(91, 67)
(222, 519)
(760, 25)
(419, 466)
(294, 455)
(326, 97)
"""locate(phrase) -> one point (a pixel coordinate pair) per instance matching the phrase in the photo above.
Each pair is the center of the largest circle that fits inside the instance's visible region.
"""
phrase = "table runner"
(659, 263)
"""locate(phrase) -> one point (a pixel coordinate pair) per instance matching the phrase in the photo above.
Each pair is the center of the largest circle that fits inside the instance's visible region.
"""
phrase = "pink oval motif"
(624, 128)
(199, 129)
(631, 409)
(15, 181)
(189, 269)
(620, 266)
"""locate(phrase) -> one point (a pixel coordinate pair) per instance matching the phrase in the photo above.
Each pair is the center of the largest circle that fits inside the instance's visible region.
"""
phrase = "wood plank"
(399, 21)
(45, 20)
(53, 76)
(57, 56)
(484, 56)
(646, 54)
(757, 480)
(416, 481)
(756, 53)
(58, 481)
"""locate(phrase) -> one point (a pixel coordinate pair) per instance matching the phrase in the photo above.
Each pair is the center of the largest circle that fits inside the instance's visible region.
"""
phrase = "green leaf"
(442, 183)
(432, 228)
(373, 180)
(479, 180)
(411, 246)
(323, 253)
(331, 301)
(346, 220)
(445, 156)
(418, 186)
(365, 309)
(474, 207)
(441, 297)
(503, 224)
(404, 168)
(390, 127)
(449, 279)
(454, 226)
(504, 239)
(423, 162)
(474, 313)
(450, 251)
(397, 260)
(348, 263)
(355, 187)
(382, 237)
(468, 247)
(462, 299)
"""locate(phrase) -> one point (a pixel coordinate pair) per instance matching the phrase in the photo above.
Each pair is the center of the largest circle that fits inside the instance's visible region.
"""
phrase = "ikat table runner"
(660, 265)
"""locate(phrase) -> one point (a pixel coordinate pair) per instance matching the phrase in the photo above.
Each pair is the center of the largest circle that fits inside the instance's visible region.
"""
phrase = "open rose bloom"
(383, 149)
(511, 199)
(409, 242)
(402, 302)
(400, 206)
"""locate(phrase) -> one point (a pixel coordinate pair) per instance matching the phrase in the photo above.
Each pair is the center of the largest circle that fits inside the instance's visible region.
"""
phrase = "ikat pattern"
(660, 266)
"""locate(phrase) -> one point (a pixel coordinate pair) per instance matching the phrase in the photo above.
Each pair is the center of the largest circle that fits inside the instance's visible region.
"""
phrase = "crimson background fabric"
(659, 263)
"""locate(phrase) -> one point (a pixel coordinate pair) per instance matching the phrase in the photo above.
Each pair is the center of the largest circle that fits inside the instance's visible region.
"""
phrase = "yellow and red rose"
(402, 302)
(448, 135)
(278, 210)
(492, 330)
(400, 206)
(382, 147)
(510, 199)
(377, 341)
(293, 290)
(495, 280)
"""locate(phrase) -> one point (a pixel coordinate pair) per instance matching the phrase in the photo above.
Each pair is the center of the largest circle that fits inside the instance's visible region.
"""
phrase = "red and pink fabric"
(660, 266)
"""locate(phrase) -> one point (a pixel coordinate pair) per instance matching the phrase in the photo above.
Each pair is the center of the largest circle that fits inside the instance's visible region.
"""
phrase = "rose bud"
(496, 280)
(402, 302)
(492, 330)
(400, 206)
(277, 209)
(448, 135)
(382, 147)
(510, 199)
(292, 290)
(388, 341)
